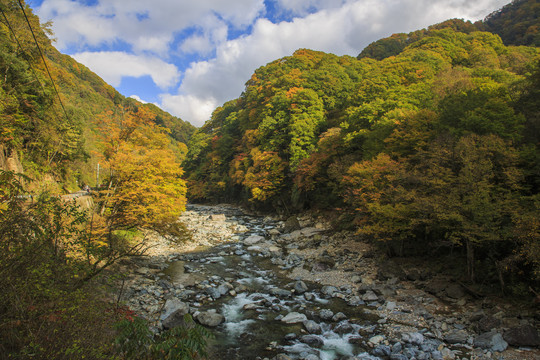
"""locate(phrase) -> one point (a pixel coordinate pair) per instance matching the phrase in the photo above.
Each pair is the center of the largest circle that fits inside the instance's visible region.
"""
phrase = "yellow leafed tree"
(145, 188)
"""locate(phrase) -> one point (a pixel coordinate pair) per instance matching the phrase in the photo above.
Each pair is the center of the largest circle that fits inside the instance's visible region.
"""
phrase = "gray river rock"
(268, 289)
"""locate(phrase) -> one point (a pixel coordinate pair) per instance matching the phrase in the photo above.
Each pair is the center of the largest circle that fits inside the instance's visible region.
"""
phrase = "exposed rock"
(280, 292)
(343, 328)
(526, 335)
(312, 340)
(144, 271)
(384, 290)
(291, 224)
(294, 318)
(300, 287)
(414, 338)
(326, 314)
(436, 286)
(376, 340)
(173, 313)
(455, 291)
(338, 317)
(447, 354)
(492, 341)
(213, 292)
(312, 327)
(488, 323)
(255, 248)
(398, 357)
(291, 336)
(456, 337)
(253, 239)
(370, 296)
(210, 319)
(217, 217)
(281, 357)
(382, 350)
(310, 231)
(328, 290)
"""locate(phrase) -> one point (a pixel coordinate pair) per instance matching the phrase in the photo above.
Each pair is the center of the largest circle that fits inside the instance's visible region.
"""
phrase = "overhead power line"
(43, 57)
(26, 56)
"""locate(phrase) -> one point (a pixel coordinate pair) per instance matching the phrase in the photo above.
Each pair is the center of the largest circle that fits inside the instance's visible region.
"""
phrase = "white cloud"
(136, 97)
(112, 66)
(335, 26)
(213, 32)
(146, 26)
(344, 30)
(190, 108)
(302, 7)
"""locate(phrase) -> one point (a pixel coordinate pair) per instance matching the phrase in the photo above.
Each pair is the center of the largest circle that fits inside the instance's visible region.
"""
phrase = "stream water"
(247, 282)
(254, 294)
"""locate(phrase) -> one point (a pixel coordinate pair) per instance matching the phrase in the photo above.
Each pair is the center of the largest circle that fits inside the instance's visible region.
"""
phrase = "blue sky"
(190, 56)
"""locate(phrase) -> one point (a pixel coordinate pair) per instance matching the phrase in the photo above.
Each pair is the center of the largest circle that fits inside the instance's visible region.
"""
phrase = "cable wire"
(43, 57)
(27, 57)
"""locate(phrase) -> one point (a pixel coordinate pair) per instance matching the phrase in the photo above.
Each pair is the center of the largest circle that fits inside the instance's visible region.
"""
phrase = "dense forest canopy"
(516, 24)
(422, 141)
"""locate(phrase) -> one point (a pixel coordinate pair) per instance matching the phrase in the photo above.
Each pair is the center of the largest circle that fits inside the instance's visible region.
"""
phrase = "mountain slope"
(517, 23)
(58, 133)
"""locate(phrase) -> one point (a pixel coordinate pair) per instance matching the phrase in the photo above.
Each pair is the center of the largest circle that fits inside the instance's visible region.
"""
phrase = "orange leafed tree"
(145, 186)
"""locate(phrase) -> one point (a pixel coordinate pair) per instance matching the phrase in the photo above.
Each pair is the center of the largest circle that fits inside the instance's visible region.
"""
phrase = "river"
(271, 292)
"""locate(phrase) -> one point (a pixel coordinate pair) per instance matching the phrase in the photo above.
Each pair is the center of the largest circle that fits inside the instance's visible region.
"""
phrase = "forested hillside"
(54, 122)
(59, 120)
(516, 24)
(433, 145)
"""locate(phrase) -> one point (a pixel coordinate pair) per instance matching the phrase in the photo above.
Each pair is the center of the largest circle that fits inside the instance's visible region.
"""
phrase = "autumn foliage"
(425, 142)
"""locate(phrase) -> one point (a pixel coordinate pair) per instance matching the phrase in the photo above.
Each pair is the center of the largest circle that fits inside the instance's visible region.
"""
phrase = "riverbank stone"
(526, 335)
(491, 341)
(300, 287)
(173, 313)
(312, 327)
(253, 239)
(210, 318)
(294, 318)
(312, 340)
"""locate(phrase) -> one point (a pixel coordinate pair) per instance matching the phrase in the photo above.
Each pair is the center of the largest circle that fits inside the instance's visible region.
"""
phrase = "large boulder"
(457, 337)
(326, 314)
(253, 239)
(414, 338)
(312, 340)
(293, 318)
(487, 323)
(291, 224)
(312, 327)
(491, 341)
(455, 291)
(300, 287)
(526, 335)
(210, 318)
(329, 290)
(173, 313)
(370, 296)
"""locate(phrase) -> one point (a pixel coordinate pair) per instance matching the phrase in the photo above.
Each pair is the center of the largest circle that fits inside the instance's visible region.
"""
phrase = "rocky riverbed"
(294, 289)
